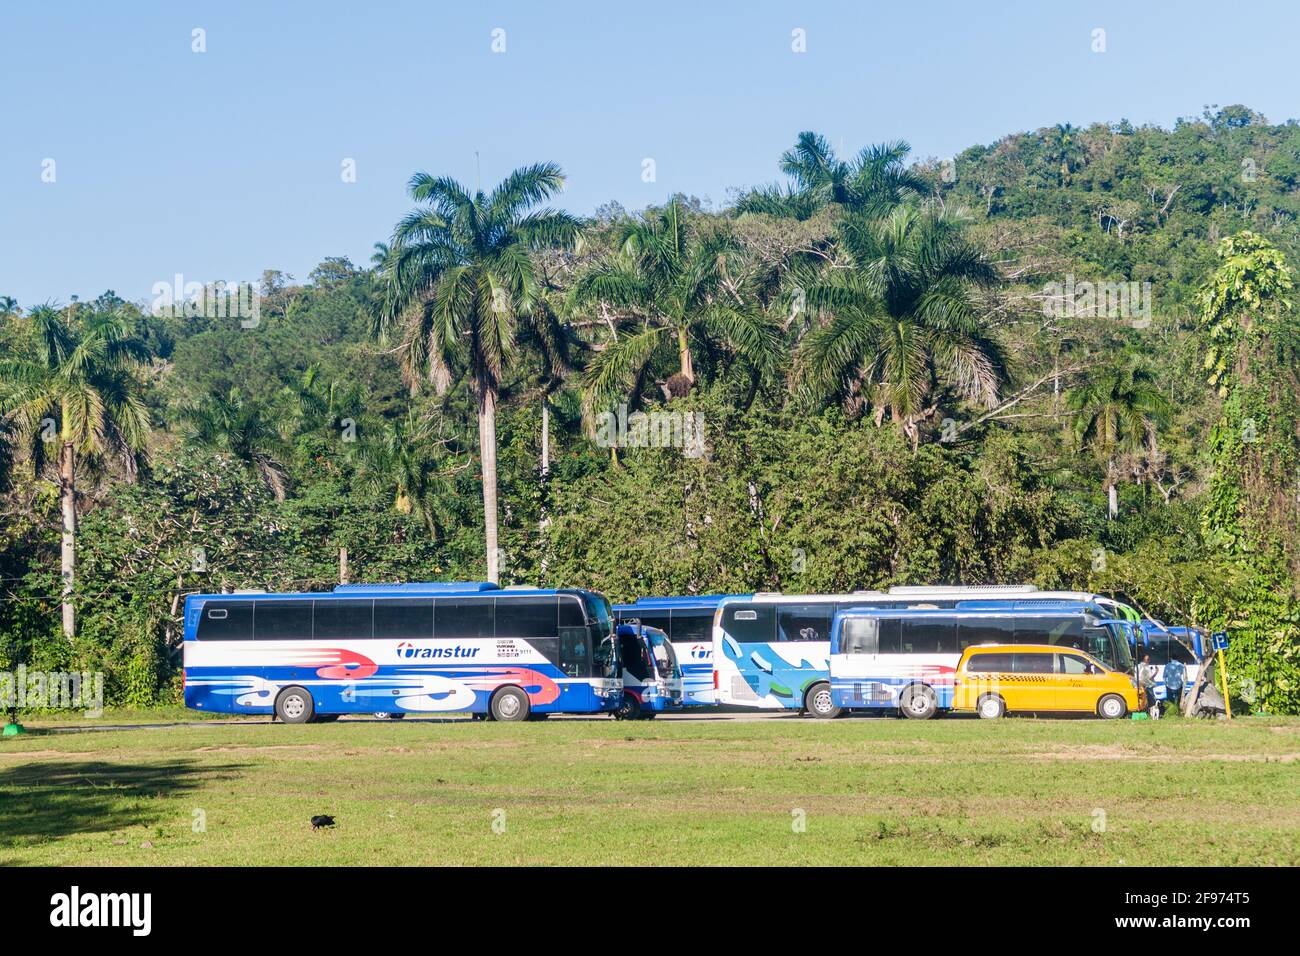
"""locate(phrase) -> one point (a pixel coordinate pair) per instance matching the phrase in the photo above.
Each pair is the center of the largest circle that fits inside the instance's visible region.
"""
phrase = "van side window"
(1072, 664)
(1032, 663)
(988, 664)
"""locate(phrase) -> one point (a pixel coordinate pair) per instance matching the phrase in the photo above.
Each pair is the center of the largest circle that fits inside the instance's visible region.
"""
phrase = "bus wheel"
(630, 709)
(295, 706)
(991, 707)
(387, 715)
(818, 702)
(1112, 707)
(918, 702)
(510, 703)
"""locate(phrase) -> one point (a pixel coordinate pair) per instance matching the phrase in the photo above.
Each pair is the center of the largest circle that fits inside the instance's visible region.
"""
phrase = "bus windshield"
(665, 657)
(1118, 655)
(604, 651)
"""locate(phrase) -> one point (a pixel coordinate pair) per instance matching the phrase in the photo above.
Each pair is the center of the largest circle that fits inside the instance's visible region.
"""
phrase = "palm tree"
(241, 428)
(400, 462)
(460, 276)
(314, 407)
(1064, 150)
(78, 389)
(8, 306)
(873, 183)
(667, 283)
(1115, 410)
(902, 317)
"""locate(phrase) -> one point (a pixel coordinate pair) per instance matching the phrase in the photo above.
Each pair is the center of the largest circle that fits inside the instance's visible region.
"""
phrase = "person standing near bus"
(1147, 678)
(1175, 678)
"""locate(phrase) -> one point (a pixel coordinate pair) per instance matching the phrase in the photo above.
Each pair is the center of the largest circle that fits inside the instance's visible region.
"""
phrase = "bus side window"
(282, 621)
(528, 618)
(804, 622)
(750, 623)
(860, 635)
(661, 620)
(457, 619)
(570, 611)
(890, 636)
(226, 621)
(929, 635)
(691, 626)
(574, 660)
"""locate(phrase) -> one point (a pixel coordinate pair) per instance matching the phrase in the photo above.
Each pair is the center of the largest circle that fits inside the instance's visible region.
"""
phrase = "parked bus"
(652, 678)
(500, 653)
(1163, 644)
(688, 622)
(772, 650)
(905, 659)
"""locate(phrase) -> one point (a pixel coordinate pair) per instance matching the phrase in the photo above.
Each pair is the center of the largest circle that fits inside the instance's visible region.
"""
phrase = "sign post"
(1220, 639)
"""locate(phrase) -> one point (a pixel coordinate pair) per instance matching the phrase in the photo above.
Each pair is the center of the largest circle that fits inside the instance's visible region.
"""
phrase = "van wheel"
(510, 703)
(630, 709)
(991, 707)
(918, 702)
(818, 702)
(295, 706)
(1112, 707)
(387, 715)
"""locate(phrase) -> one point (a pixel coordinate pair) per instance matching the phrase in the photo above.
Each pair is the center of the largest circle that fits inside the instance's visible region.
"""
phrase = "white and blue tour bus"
(432, 648)
(905, 659)
(772, 651)
(688, 622)
(652, 678)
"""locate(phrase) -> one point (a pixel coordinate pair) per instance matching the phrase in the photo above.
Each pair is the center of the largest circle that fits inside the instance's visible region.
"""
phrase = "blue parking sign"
(1220, 639)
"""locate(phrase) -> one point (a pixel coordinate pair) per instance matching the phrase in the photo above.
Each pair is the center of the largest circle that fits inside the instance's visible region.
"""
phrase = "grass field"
(699, 791)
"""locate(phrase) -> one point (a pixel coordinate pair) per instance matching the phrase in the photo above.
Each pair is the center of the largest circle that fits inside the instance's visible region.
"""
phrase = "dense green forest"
(1068, 358)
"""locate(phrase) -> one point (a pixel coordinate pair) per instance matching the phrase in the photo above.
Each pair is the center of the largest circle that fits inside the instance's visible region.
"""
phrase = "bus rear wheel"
(295, 706)
(510, 703)
(1112, 707)
(918, 702)
(819, 703)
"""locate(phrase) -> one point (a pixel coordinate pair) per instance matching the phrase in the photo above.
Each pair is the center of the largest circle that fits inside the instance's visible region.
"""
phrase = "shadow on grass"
(48, 800)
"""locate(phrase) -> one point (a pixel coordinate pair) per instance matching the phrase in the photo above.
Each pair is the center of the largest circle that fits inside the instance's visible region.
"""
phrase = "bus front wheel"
(630, 709)
(295, 706)
(510, 703)
(918, 702)
(819, 703)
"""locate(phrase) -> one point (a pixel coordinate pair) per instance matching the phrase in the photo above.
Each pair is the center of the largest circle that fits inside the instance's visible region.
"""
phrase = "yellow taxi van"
(995, 679)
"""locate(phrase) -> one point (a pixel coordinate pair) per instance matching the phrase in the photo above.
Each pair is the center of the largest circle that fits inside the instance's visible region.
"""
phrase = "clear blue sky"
(221, 164)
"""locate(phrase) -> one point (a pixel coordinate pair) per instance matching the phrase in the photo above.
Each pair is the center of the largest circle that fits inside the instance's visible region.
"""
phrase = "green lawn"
(869, 791)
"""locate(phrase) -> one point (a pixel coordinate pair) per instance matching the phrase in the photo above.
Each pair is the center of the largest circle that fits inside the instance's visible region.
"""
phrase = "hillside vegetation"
(1067, 357)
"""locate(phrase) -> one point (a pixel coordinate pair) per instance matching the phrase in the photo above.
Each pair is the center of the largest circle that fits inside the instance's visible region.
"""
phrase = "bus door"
(574, 662)
(856, 668)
